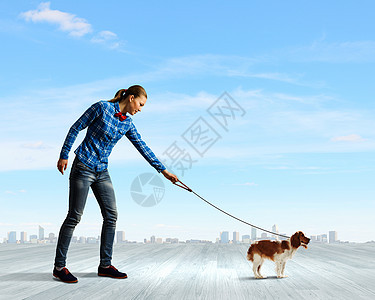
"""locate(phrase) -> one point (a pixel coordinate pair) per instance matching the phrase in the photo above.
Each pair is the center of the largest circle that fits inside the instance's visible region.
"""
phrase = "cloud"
(67, 22)
(107, 38)
(36, 224)
(337, 52)
(293, 168)
(75, 26)
(20, 157)
(35, 145)
(348, 138)
(221, 65)
(10, 193)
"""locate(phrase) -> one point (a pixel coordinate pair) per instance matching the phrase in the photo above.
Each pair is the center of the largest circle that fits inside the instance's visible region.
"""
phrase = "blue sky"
(302, 156)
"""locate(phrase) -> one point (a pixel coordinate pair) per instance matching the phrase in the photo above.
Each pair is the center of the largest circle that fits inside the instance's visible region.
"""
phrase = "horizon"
(263, 235)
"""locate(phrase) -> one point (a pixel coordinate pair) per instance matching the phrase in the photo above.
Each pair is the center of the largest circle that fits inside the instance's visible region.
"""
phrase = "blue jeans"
(80, 180)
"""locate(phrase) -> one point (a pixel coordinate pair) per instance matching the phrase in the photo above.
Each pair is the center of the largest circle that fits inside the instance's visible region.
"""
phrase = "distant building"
(332, 237)
(191, 241)
(12, 237)
(253, 233)
(263, 235)
(313, 238)
(324, 238)
(120, 237)
(159, 240)
(171, 240)
(276, 230)
(52, 238)
(246, 239)
(152, 239)
(224, 237)
(74, 239)
(41, 233)
(236, 237)
(33, 239)
(91, 240)
(82, 240)
(23, 238)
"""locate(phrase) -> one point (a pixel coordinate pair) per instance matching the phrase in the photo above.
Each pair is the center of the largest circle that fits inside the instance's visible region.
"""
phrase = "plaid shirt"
(104, 130)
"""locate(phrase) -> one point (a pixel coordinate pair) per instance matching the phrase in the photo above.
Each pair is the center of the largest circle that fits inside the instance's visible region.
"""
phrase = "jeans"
(80, 180)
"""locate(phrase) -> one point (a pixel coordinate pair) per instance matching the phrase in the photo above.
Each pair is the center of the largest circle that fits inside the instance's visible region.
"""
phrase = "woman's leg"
(79, 184)
(105, 195)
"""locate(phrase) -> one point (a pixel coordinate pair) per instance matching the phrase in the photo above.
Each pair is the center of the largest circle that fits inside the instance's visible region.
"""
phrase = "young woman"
(107, 122)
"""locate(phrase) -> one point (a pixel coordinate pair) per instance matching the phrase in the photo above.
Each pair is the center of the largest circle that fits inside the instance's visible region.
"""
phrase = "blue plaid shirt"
(104, 130)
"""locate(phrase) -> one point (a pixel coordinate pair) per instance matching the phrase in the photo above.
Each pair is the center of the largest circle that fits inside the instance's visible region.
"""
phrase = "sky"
(294, 80)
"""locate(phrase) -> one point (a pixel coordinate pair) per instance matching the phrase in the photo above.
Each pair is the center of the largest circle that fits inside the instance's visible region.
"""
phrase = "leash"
(184, 186)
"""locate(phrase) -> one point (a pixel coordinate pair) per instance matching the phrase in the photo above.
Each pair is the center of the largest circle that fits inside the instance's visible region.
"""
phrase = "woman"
(107, 122)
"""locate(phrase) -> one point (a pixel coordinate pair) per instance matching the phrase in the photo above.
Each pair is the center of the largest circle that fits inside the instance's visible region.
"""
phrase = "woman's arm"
(85, 120)
(133, 136)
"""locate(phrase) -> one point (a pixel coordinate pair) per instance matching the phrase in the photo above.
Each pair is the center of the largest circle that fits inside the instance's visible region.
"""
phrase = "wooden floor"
(191, 271)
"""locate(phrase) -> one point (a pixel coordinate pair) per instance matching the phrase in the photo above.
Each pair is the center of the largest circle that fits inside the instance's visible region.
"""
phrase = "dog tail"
(250, 253)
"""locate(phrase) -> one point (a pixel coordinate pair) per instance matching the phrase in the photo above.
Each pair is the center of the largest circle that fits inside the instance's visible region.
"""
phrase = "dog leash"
(184, 186)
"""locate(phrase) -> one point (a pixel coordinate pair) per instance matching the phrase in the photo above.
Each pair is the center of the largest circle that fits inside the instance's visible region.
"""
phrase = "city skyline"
(120, 237)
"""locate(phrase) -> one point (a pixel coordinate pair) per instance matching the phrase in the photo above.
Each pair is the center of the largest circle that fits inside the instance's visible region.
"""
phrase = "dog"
(277, 251)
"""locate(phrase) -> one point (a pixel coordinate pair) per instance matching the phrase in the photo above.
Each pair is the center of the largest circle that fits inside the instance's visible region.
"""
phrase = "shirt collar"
(117, 107)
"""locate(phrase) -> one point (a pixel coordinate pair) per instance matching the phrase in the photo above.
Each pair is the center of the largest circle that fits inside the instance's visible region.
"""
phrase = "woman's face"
(136, 104)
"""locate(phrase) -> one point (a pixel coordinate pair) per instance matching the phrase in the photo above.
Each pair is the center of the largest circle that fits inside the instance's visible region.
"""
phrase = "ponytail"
(135, 90)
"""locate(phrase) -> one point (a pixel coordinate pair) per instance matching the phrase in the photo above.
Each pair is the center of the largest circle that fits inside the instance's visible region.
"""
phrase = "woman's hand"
(62, 165)
(173, 178)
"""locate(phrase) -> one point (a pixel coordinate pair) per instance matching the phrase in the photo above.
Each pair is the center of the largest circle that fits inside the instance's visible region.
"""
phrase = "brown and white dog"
(277, 251)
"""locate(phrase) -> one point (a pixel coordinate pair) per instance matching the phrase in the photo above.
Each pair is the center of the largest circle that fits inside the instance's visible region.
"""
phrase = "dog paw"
(282, 276)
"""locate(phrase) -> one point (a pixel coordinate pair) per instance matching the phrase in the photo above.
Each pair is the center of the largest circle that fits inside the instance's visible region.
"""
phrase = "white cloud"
(293, 168)
(35, 145)
(107, 38)
(73, 25)
(15, 193)
(222, 65)
(36, 224)
(67, 22)
(21, 158)
(335, 52)
(348, 138)
(303, 131)
(10, 193)
(276, 122)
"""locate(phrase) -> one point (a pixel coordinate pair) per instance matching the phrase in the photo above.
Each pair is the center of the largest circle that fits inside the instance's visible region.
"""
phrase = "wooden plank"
(188, 271)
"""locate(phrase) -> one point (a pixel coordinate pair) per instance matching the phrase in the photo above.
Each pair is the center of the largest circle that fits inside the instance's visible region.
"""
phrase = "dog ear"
(295, 241)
